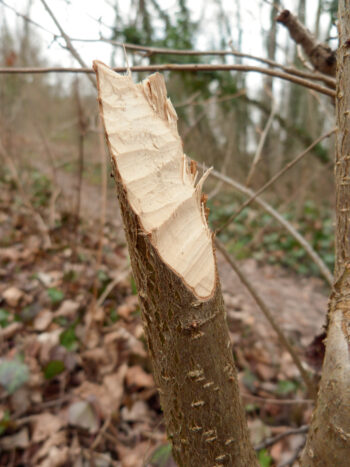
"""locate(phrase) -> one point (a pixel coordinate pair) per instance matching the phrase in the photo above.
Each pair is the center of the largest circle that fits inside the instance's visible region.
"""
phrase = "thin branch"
(269, 316)
(262, 140)
(228, 154)
(295, 456)
(27, 19)
(148, 51)
(268, 400)
(82, 128)
(271, 441)
(179, 67)
(188, 52)
(274, 178)
(111, 286)
(216, 99)
(287, 225)
(68, 42)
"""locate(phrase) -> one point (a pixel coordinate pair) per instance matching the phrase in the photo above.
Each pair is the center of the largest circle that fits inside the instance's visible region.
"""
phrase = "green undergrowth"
(256, 234)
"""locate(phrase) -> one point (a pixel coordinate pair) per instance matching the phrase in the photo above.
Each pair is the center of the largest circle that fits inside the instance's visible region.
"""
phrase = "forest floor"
(75, 378)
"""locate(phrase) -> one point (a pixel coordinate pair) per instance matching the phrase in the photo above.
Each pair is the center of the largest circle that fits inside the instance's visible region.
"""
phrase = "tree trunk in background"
(271, 146)
(328, 443)
(182, 309)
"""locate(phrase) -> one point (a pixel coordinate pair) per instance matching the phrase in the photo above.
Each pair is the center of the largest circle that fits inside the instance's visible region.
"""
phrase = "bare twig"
(68, 42)
(321, 56)
(148, 51)
(303, 59)
(180, 67)
(215, 99)
(264, 400)
(269, 316)
(102, 430)
(26, 18)
(229, 148)
(111, 286)
(287, 225)
(262, 140)
(271, 441)
(295, 456)
(274, 178)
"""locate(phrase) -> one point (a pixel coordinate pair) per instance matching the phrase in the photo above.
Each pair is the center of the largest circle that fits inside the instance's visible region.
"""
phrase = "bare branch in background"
(178, 67)
(262, 140)
(69, 44)
(281, 220)
(321, 55)
(276, 177)
(103, 156)
(26, 18)
(269, 316)
(228, 153)
(149, 51)
(271, 441)
(82, 128)
(56, 190)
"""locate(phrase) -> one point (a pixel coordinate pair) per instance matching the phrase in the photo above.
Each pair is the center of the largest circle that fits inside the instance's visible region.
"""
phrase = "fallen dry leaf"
(57, 440)
(82, 414)
(138, 412)
(43, 320)
(45, 425)
(107, 396)
(57, 457)
(12, 296)
(18, 440)
(20, 401)
(134, 457)
(136, 376)
(11, 330)
(68, 309)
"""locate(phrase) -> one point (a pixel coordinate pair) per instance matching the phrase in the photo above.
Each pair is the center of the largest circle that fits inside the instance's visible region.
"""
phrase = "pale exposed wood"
(159, 182)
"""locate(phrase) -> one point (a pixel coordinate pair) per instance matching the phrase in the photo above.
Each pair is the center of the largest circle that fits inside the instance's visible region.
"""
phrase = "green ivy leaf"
(161, 456)
(5, 421)
(53, 368)
(264, 458)
(286, 387)
(68, 339)
(56, 296)
(4, 318)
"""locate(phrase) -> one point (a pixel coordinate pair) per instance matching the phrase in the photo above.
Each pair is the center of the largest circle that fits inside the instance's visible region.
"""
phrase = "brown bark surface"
(191, 356)
(328, 442)
(320, 55)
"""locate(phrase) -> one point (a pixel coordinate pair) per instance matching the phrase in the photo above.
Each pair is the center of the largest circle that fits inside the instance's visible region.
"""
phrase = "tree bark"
(328, 443)
(321, 56)
(184, 321)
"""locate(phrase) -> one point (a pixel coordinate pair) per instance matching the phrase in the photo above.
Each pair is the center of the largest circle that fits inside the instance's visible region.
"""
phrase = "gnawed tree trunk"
(328, 443)
(174, 266)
